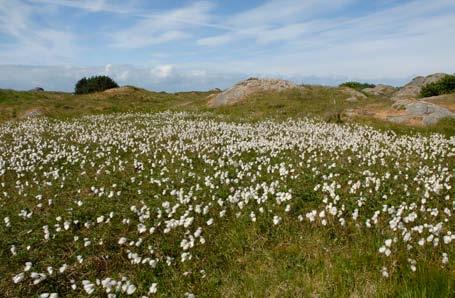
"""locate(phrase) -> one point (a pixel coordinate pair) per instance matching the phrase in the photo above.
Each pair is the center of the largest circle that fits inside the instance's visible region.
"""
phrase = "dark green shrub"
(443, 86)
(357, 85)
(94, 84)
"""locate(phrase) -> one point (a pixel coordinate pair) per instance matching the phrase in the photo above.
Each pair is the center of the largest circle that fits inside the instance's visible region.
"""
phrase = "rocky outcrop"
(354, 95)
(380, 90)
(413, 88)
(407, 100)
(242, 90)
(429, 113)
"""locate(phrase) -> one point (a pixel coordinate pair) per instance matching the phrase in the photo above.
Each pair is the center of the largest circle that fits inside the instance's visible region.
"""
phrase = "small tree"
(94, 84)
(442, 86)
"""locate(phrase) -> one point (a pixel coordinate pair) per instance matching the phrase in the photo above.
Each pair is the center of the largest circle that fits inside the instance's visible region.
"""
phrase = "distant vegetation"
(357, 85)
(443, 86)
(94, 84)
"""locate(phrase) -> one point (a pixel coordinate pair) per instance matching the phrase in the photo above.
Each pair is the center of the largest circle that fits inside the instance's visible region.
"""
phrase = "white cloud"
(107, 69)
(123, 76)
(162, 71)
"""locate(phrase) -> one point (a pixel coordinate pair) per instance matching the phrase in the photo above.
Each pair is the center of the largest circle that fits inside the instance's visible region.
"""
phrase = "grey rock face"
(428, 112)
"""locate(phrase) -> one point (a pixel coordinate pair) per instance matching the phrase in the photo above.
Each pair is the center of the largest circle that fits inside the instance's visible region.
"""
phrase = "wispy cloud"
(273, 21)
(122, 7)
(284, 12)
(164, 27)
(33, 43)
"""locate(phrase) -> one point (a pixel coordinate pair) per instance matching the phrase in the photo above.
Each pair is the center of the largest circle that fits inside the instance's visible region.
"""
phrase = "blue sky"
(196, 45)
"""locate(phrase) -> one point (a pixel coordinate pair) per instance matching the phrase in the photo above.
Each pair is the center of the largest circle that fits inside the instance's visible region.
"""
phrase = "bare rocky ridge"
(413, 88)
(407, 107)
(407, 99)
(243, 89)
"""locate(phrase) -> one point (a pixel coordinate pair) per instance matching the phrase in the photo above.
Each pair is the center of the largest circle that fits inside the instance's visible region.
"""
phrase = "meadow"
(187, 201)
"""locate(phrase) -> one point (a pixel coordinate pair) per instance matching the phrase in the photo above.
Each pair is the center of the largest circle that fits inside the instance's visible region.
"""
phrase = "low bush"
(357, 85)
(443, 86)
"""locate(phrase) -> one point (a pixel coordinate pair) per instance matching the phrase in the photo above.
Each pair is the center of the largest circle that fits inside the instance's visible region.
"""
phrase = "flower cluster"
(145, 192)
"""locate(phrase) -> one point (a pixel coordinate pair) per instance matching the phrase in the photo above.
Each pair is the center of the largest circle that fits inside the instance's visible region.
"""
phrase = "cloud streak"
(165, 27)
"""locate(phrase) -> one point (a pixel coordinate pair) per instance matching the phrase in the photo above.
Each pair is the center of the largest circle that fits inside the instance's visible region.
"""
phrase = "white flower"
(28, 266)
(131, 289)
(89, 288)
(63, 268)
(18, 278)
(276, 220)
(141, 228)
(384, 272)
(49, 295)
(153, 288)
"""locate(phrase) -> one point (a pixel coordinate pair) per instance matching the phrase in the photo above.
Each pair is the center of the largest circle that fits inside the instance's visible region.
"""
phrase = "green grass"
(59, 105)
(243, 259)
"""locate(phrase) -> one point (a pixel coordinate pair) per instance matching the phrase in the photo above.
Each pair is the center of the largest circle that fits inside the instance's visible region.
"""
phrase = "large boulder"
(242, 90)
(413, 88)
(380, 90)
(429, 113)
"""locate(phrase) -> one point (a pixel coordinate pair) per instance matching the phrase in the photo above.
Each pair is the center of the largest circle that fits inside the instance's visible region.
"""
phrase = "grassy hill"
(14, 104)
(325, 103)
